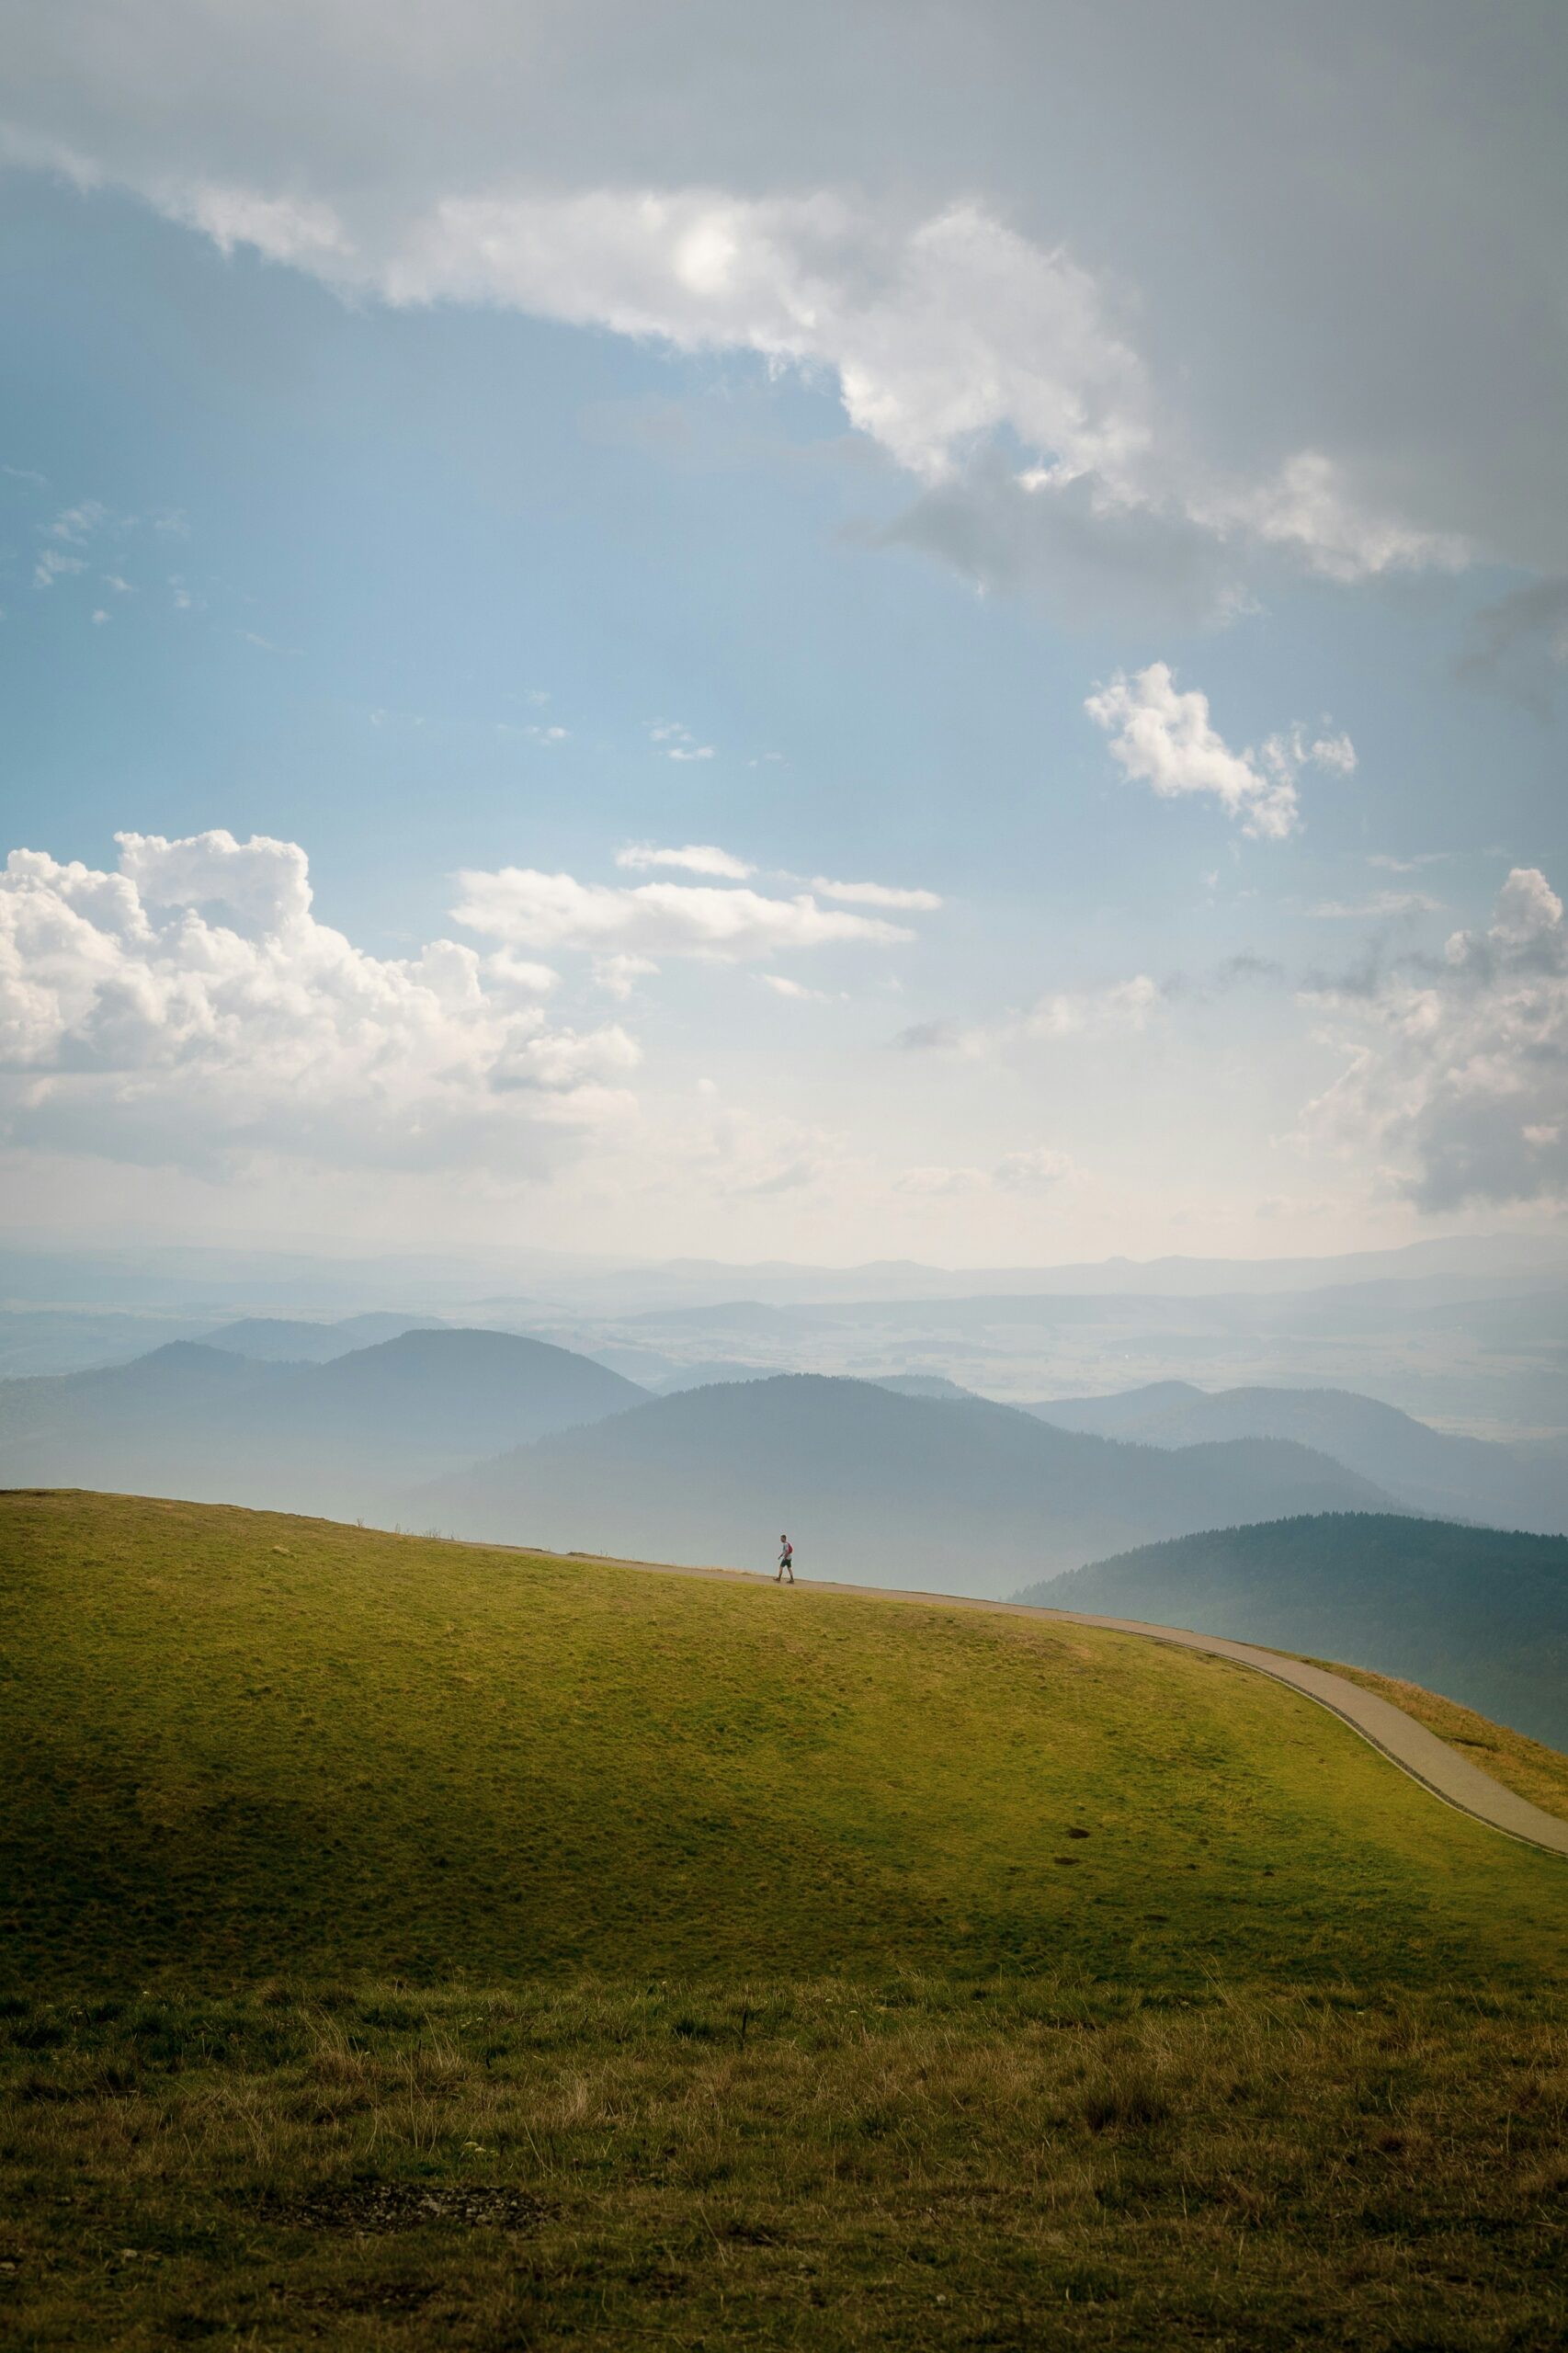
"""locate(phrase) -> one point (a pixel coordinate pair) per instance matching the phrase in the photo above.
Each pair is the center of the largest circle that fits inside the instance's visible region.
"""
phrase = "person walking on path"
(785, 1562)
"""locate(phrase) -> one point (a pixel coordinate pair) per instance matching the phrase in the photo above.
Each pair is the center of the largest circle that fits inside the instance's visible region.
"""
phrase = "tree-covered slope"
(1477, 1614)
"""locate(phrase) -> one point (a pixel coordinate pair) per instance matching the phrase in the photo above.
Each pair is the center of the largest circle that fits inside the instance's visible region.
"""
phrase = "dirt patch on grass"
(373, 2207)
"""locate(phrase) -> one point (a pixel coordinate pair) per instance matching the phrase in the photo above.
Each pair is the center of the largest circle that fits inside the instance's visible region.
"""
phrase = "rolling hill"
(407, 1944)
(342, 1436)
(1480, 1615)
(1432, 1471)
(236, 1742)
(955, 1495)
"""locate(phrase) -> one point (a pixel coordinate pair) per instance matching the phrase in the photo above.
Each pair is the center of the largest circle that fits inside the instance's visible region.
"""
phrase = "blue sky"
(431, 542)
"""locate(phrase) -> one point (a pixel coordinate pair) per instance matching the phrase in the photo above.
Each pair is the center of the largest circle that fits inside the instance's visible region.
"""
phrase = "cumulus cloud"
(191, 1006)
(1165, 738)
(697, 858)
(618, 975)
(876, 895)
(535, 910)
(1457, 1072)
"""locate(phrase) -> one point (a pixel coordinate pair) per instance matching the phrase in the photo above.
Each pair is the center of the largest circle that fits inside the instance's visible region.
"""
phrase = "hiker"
(785, 1562)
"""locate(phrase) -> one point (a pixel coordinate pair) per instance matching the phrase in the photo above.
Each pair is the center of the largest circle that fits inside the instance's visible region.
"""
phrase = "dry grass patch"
(922, 2164)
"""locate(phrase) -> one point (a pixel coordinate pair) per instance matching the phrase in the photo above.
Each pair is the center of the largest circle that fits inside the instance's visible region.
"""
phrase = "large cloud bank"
(992, 232)
(1458, 1073)
(191, 1007)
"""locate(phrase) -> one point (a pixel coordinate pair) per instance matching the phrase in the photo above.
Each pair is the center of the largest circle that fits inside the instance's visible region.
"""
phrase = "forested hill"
(1475, 1613)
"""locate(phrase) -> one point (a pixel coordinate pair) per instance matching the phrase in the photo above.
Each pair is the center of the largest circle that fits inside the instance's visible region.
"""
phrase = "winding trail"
(1437, 1766)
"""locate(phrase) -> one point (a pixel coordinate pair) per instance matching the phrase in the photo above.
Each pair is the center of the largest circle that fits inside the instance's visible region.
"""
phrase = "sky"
(793, 633)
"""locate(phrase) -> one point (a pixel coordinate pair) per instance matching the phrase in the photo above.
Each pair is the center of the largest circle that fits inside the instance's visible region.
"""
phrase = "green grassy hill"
(237, 1744)
(406, 1944)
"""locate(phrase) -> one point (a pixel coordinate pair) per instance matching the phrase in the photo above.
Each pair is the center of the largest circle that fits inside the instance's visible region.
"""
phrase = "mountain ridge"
(875, 1486)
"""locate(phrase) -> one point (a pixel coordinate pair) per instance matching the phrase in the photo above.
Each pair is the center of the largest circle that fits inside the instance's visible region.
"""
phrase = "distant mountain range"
(342, 1437)
(1447, 1476)
(1476, 1614)
(286, 1339)
(875, 1488)
(907, 1481)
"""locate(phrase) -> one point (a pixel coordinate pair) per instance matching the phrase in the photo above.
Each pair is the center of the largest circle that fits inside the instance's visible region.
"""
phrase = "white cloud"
(99, 617)
(52, 565)
(948, 333)
(1360, 388)
(876, 895)
(1125, 1007)
(75, 524)
(1382, 902)
(796, 991)
(935, 1182)
(1066, 1013)
(1038, 1170)
(1457, 1072)
(618, 975)
(679, 742)
(536, 910)
(697, 858)
(1165, 738)
(191, 1006)
(1308, 509)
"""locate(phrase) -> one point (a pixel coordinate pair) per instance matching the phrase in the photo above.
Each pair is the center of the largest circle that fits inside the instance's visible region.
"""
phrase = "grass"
(239, 1745)
(1527, 1765)
(402, 1944)
(771, 2165)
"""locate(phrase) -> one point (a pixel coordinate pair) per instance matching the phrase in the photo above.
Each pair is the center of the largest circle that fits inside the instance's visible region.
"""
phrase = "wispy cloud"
(78, 523)
(876, 895)
(532, 909)
(696, 858)
(677, 743)
(1038, 1170)
(1126, 1006)
(54, 565)
(1382, 902)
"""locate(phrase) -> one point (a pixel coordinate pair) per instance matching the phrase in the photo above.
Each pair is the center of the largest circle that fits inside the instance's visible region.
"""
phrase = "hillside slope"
(956, 1495)
(1475, 1614)
(235, 1744)
(1432, 1471)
